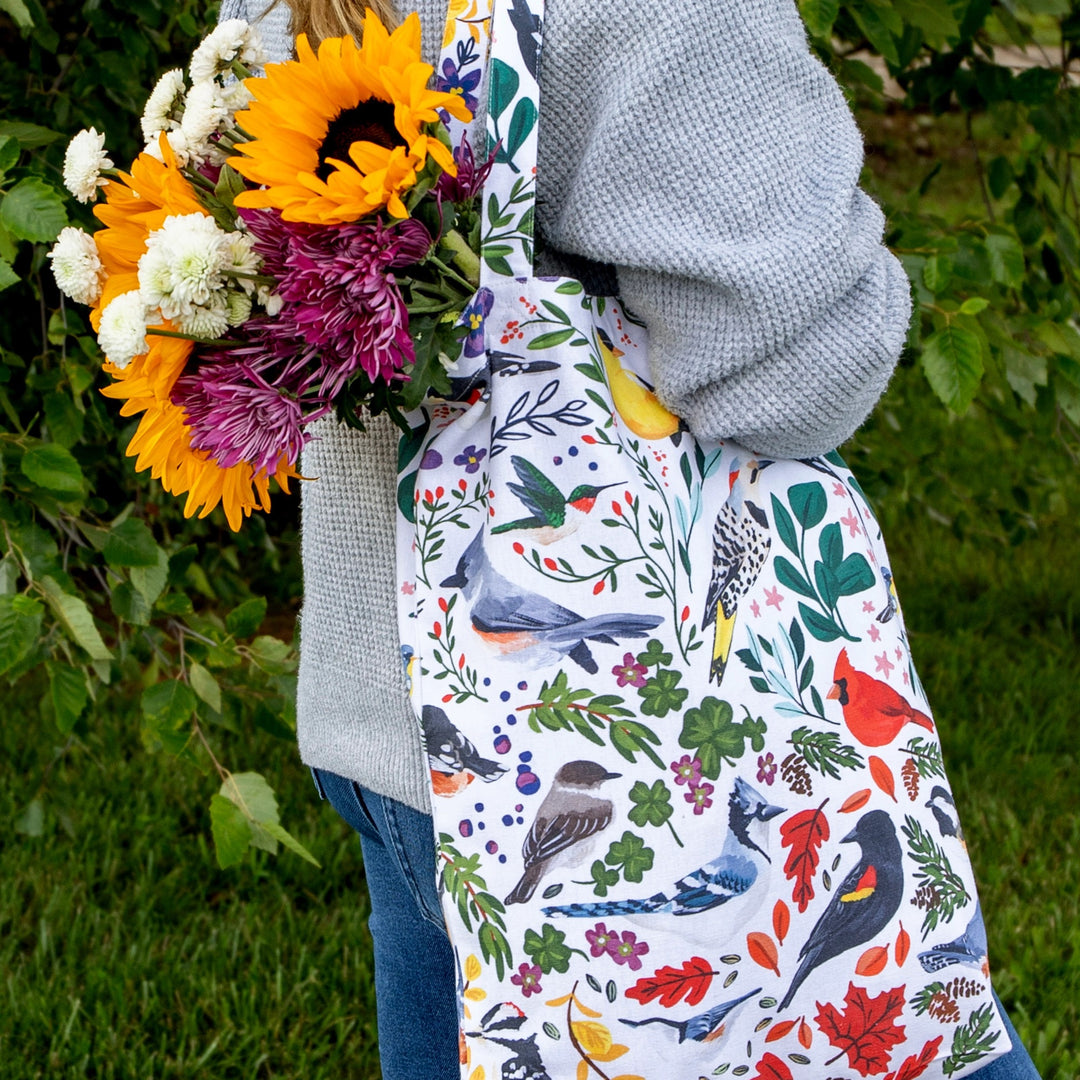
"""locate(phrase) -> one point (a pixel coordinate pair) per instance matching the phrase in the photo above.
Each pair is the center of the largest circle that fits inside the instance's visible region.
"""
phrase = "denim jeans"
(415, 980)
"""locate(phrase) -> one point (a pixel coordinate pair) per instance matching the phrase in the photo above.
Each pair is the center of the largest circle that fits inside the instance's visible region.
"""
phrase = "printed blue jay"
(943, 808)
(707, 1027)
(969, 948)
(514, 620)
(730, 875)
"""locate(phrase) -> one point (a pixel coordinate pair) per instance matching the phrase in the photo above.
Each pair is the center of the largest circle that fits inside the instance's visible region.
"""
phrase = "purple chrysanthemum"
(470, 175)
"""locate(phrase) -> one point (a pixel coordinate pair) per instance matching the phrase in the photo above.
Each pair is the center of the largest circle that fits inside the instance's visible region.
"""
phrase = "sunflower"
(343, 133)
(162, 442)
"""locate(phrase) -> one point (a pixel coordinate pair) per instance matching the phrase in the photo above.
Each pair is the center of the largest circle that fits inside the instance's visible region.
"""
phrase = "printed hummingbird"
(573, 812)
(514, 620)
(873, 711)
(863, 904)
(553, 514)
(731, 875)
(707, 1027)
(741, 543)
(969, 948)
(635, 401)
(454, 761)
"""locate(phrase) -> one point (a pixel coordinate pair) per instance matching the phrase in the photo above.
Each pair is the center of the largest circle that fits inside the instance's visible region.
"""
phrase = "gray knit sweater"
(700, 152)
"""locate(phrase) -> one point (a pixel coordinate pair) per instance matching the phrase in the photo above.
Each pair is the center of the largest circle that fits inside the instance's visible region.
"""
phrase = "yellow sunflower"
(341, 134)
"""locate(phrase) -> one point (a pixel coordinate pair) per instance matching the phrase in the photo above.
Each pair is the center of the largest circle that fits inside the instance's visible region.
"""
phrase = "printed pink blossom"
(630, 672)
(687, 770)
(627, 950)
(528, 978)
(601, 939)
(699, 796)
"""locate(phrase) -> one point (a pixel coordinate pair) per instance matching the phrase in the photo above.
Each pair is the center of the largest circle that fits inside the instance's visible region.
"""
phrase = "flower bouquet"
(284, 247)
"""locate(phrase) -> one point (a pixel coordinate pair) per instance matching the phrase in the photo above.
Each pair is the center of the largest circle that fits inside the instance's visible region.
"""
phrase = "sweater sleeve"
(703, 150)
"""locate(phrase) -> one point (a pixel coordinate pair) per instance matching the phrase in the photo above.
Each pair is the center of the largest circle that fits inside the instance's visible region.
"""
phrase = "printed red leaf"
(873, 961)
(917, 1064)
(806, 1036)
(804, 833)
(763, 951)
(903, 944)
(856, 801)
(770, 1067)
(781, 920)
(866, 1030)
(672, 985)
(778, 1031)
(883, 776)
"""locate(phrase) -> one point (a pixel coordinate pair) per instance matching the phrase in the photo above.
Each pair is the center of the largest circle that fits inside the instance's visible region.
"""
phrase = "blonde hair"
(321, 19)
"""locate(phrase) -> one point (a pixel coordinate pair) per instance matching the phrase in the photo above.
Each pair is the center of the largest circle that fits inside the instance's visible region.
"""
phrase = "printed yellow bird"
(635, 402)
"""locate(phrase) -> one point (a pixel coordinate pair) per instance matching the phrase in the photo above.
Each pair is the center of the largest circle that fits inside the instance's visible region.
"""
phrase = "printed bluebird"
(707, 1027)
(730, 875)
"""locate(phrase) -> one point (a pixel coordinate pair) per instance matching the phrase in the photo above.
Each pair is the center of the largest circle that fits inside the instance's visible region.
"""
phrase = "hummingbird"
(553, 515)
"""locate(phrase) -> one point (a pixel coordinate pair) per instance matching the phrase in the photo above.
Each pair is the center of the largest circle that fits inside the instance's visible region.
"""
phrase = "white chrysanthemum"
(183, 264)
(83, 162)
(163, 104)
(207, 321)
(231, 40)
(272, 302)
(177, 140)
(238, 308)
(241, 258)
(204, 112)
(122, 333)
(236, 96)
(77, 266)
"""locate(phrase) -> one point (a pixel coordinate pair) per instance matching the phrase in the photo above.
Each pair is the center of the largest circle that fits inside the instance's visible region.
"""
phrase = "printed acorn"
(873, 711)
(637, 405)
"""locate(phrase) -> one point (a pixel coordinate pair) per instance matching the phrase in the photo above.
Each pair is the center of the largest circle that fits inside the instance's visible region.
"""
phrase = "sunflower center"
(370, 121)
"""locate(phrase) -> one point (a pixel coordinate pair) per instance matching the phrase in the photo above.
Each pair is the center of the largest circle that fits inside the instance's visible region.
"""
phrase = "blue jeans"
(415, 976)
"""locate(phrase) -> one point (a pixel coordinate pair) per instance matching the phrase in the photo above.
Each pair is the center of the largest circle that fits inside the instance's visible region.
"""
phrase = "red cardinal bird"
(873, 711)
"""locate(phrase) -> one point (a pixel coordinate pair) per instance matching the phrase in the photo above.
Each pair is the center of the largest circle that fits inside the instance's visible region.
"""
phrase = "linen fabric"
(701, 160)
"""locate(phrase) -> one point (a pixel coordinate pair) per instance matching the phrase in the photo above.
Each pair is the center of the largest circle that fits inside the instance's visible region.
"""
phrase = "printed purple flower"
(473, 320)
(630, 672)
(470, 457)
(766, 768)
(687, 770)
(339, 291)
(699, 796)
(432, 459)
(451, 81)
(528, 978)
(600, 939)
(627, 950)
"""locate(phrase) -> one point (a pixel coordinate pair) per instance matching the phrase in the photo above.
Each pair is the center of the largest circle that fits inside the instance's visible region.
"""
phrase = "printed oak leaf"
(917, 1064)
(866, 1030)
(672, 985)
(804, 833)
(770, 1067)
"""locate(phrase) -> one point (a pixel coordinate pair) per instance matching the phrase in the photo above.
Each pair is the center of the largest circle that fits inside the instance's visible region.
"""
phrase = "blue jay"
(707, 1027)
(969, 948)
(731, 874)
(514, 620)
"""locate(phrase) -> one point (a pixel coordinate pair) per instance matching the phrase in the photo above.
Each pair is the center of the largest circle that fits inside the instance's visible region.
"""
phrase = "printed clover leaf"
(632, 855)
(711, 732)
(652, 805)
(603, 878)
(661, 694)
(654, 655)
(547, 949)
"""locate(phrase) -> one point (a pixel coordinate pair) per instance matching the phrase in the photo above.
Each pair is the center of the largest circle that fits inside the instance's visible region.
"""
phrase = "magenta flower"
(629, 672)
(470, 178)
(627, 950)
(600, 939)
(699, 796)
(528, 978)
(687, 770)
(766, 772)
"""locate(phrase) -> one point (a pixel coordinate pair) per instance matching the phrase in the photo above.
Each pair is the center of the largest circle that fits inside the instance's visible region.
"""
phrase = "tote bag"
(691, 813)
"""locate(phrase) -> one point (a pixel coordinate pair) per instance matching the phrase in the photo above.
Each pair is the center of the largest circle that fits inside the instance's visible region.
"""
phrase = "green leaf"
(205, 685)
(662, 694)
(30, 136)
(652, 805)
(788, 575)
(655, 655)
(31, 822)
(231, 831)
(931, 16)
(168, 704)
(521, 124)
(272, 654)
(150, 580)
(569, 288)
(286, 838)
(937, 271)
(33, 210)
(785, 527)
(9, 153)
(973, 305)
(820, 626)
(19, 12)
(66, 422)
(504, 86)
(854, 575)
(246, 618)
(953, 363)
(20, 625)
(547, 949)
(251, 793)
(129, 604)
(1006, 259)
(76, 619)
(551, 338)
(8, 277)
(52, 467)
(602, 878)
(808, 503)
(131, 543)
(67, 688)
(631, 854)
(819, 16)
(711, 732)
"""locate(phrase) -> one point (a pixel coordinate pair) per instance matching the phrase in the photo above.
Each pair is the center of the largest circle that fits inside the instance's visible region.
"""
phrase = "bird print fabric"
(691, 811)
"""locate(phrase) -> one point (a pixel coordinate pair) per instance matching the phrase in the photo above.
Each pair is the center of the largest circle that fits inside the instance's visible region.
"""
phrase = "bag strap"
(464, 58)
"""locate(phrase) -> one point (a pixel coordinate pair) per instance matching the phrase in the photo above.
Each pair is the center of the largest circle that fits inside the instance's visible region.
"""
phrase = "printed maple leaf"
(671, 985)
(917, 1064)
(804, 833)
(866, 1030)
(770, 1067)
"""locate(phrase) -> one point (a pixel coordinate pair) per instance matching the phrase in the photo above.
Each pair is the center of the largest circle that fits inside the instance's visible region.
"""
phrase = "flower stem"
(464, 256)
(187, 337)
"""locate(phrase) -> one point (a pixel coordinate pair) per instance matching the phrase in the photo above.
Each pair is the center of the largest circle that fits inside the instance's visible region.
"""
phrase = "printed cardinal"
(873, 711)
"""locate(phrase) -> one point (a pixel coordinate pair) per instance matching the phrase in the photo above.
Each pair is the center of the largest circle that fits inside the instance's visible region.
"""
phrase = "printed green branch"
(927, 757)
(436, 509)
(443, 651)
(936, 871)
(792, 686)
(972, 1041)
(823, 751)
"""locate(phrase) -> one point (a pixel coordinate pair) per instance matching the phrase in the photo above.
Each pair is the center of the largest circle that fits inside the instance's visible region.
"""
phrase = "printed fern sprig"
(936, 872)
(972, 1041)
(824, 752)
